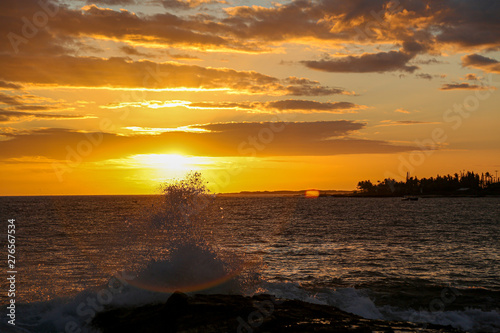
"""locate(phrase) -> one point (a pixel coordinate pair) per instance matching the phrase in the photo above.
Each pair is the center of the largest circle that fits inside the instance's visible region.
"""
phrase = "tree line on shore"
(465, 182)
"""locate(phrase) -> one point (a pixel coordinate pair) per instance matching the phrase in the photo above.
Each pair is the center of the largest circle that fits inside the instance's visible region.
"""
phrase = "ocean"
(435, 260)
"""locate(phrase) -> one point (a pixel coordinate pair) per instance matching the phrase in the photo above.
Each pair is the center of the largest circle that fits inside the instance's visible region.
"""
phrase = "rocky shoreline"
(234, 313)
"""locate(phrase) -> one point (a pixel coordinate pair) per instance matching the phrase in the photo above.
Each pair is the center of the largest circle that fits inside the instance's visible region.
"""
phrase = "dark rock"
(233, 313)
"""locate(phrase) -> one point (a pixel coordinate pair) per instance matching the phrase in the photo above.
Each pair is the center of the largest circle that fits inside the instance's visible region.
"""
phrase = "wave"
(362, 303)
(66, 314)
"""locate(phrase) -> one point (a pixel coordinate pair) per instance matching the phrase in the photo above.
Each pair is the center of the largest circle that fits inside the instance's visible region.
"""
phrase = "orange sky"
(118, 96)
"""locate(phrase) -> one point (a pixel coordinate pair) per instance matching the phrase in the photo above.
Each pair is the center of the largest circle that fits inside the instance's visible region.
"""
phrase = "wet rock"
(234, 313)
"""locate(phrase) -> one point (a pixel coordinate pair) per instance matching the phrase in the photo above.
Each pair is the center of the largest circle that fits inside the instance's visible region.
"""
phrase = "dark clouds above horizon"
(484, 63)
(46, 55)
(84, 44)
(431, 25)
(365, 63)
(221, 139)
(124, 73)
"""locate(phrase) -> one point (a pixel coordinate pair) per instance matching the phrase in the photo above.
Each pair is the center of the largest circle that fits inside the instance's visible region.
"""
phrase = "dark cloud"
(164, 28)
(182, 56)
(290, 105)
(177, 4)
(9, 100)
(468, 23)
(63, 29)
(124, 73)
(35, 107)
(368, 62)
(427, 76)
(225, 139)
(302, 131)
(412, 122)
(9, 85)
(428, 61)
(462, 86)
(414, 47)
(298, 19)
(305, 87)
(486, 64)
(336, 21)
(186, 4)
(27, 102)
(21, 36)
(15, 116)
(404, 122)
(112, 2)
(308, 90)
(418, 25)
(132, 51)
(424, 76)
(476, 59)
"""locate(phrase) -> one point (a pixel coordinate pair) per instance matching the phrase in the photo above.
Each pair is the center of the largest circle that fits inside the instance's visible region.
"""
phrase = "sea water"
(433, 260)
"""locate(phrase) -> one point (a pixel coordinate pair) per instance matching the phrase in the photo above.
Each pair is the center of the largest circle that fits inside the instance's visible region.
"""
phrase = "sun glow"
(169, 166)
(174, 162)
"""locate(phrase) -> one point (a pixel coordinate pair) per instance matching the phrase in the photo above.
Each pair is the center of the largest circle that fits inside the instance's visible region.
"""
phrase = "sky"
(120, 96)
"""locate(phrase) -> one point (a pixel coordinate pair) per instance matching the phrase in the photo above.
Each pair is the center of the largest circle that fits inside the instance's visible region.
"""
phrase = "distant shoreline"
(268, 194)
(350, 194)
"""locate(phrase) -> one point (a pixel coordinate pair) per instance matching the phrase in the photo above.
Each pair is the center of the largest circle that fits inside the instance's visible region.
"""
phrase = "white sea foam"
(59, 315)
(358, 302)
(472, 320)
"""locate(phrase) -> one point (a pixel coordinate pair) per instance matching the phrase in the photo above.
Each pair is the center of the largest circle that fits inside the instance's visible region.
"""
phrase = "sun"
(174, 162)
(170, 166)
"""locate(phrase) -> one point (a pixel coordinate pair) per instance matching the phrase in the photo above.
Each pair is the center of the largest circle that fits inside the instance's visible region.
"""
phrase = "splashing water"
(178, 248)
(170, 247)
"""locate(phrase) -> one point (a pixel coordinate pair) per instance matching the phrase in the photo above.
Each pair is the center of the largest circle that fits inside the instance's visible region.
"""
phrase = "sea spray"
(172, 245)
(176, 248)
